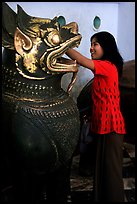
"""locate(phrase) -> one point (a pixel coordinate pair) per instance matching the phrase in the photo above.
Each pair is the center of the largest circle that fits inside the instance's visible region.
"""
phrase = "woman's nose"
(91, 49)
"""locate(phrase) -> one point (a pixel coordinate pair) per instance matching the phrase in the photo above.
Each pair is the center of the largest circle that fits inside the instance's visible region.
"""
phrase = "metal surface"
(40, 121)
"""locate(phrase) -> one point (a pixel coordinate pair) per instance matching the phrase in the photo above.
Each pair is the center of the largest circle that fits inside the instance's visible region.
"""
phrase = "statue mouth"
(55, 60)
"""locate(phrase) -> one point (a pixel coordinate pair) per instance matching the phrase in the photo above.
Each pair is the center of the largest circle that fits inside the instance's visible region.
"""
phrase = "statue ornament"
(40, 120)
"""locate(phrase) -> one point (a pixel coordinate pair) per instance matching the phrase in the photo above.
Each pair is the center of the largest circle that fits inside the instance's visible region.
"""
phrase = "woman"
(107, 122)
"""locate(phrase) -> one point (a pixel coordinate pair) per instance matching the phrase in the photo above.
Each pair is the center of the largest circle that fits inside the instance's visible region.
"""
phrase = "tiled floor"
(82, 187)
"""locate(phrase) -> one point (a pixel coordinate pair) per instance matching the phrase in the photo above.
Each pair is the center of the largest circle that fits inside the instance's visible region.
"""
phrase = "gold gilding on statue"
(41, 44)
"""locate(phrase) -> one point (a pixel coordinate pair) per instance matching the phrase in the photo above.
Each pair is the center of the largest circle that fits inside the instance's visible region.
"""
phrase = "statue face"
(44, 52)
(40, 44)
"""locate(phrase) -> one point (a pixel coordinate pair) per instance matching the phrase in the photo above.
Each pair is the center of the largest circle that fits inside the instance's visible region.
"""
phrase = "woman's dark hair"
(111, 53)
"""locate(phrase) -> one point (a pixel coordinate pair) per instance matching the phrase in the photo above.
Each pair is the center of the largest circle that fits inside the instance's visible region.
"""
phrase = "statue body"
(40, 119)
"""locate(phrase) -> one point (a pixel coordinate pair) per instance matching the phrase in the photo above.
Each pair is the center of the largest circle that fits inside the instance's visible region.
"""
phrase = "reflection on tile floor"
(82, 187)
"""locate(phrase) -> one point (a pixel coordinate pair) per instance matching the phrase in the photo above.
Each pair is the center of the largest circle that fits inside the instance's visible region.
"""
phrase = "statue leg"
(58, 185)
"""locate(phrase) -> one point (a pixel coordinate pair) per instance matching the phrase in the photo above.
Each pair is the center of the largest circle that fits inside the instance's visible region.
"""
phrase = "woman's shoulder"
(104, 63)
(104, 67)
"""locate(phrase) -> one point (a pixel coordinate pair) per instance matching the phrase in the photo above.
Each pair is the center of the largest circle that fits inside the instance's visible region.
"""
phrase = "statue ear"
(22, 42)
(9, 19)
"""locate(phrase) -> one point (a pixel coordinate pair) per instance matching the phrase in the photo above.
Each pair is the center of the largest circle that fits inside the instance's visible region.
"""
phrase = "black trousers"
(108, 178)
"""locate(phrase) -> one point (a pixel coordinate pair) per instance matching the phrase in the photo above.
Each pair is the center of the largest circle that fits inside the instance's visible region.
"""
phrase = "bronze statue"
(40, 120)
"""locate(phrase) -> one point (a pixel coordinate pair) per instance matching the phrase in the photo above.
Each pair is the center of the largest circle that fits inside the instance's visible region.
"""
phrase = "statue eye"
(55, 39)
(52, 37)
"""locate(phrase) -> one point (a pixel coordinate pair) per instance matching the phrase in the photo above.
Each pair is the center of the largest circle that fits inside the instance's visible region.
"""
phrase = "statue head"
(39, 43)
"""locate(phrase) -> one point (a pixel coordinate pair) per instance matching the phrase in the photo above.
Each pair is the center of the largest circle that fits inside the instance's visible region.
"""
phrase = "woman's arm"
(80, 59)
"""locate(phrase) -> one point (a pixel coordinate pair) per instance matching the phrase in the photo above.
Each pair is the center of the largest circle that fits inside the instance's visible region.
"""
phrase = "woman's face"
(96, 50)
